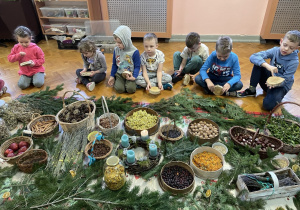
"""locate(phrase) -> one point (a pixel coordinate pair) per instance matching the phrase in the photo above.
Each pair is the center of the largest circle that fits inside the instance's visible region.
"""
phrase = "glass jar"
(114, 173)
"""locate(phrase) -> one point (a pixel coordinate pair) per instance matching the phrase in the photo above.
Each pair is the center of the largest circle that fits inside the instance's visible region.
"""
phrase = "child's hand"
(148, 87)
(84, 70)
(210, 85)
(22, 53)
(111, 81)
(32, 64)
(273, 70)
(130, 77)
(160, 86)
(178, 72)
(226, 87)
(193, 77)
(92, 73)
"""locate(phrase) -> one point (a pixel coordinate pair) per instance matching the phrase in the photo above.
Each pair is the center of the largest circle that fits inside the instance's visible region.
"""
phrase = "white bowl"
(206, 174)
(278, 157)
(222, 145)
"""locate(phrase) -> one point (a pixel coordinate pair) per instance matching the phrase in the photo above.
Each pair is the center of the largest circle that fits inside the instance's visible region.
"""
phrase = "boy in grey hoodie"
(126, 57)
(284, 63)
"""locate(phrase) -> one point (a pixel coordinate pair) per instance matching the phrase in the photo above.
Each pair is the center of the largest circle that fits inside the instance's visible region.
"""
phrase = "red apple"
(7, 152)
(23, 143)
(22, 149)
(14, 146)
(11, 155)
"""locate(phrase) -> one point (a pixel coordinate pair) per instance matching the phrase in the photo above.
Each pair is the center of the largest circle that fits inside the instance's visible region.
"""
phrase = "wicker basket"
(8, 142)
(286, 147)
(90, 145)
(200, 140)
(109, 115)
(39, 118)
(175, 191)
(263, 154)
(151, 131)
(88, 122)
(167, 128)
(32, 160)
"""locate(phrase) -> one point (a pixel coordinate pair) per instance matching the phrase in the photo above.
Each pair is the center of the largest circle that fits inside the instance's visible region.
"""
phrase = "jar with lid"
(114, 173)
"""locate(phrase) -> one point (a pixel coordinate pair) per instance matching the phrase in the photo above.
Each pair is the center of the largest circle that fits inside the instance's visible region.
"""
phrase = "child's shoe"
(78, 80)
(232, 93)
(90, 86)
(245, 93)
(176, 78)
(167, 86)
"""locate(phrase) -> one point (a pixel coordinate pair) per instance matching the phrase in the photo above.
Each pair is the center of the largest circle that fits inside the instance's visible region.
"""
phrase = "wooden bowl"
(274, 81)
(175, 191)
(125, 73)
(203, 140)
(218, 90)
(154, 91)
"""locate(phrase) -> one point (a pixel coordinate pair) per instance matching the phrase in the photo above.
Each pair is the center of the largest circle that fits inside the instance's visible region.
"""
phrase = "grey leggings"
(37, 80)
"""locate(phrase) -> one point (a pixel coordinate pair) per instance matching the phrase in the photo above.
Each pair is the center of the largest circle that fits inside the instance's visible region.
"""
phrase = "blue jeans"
(37, 80)
(274, 96)
(98, 77)
(218, 81)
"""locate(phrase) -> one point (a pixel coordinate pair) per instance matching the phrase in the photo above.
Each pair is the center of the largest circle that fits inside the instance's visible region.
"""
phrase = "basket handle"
(104, 106)
(35, 115)
(277, 106)
(63, 99)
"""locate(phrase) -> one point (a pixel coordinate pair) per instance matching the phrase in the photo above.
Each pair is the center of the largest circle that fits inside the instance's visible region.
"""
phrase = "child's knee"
(131, 89)
(119, 89)
(198, 80)
(38, 84)
(269, 105)
(23, 85)
(176, 54)
(197, 60)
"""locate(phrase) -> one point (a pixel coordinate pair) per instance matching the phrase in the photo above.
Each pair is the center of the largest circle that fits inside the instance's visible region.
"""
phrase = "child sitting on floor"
(152, 61)
(94, 65)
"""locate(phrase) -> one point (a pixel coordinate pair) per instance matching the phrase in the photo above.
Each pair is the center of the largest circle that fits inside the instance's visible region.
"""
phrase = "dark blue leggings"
(274, 96)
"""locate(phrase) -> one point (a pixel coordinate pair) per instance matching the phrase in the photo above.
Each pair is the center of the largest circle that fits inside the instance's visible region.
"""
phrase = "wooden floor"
(61, 65)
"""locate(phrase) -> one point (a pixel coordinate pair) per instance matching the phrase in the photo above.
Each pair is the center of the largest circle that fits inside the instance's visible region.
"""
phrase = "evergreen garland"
(85, 191)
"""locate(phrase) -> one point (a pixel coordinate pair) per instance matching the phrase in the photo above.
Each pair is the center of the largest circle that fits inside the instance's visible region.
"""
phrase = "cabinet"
(281, 16)
(54, 17)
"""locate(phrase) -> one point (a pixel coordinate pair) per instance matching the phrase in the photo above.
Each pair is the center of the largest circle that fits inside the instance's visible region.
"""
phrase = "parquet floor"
(61, 65)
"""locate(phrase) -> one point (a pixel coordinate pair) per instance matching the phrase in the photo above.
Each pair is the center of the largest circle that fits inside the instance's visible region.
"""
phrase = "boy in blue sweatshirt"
(223, 69)
(126, 57)
(284, 63)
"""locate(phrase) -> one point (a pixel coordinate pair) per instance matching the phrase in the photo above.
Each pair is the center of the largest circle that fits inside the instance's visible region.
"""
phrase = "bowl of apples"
(12, 149)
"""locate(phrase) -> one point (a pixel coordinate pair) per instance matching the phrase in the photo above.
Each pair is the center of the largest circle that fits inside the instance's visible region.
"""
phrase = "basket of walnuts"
(204, 130)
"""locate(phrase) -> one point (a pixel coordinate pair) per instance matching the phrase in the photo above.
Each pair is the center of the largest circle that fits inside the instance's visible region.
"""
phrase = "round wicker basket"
(110, 116)
(134, 132)
(175, 191)
(167, 128)
(88, 122)
(32, 160)
(8, 142)
(90, 145)
(37, 119)
(202, 140)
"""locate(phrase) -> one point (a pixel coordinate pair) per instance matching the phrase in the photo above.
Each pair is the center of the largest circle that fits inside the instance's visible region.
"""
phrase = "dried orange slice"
(73, 173)
(295, 167)
(6, 195)
(208, 193)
